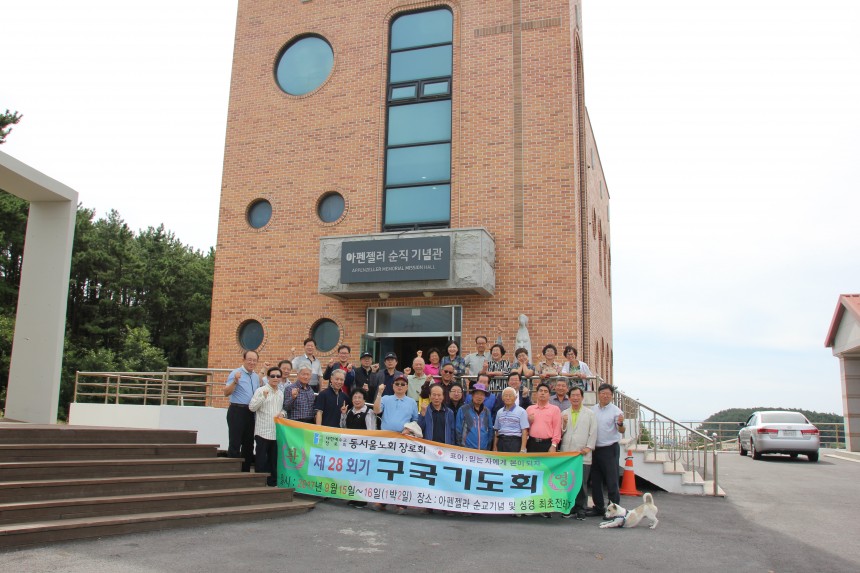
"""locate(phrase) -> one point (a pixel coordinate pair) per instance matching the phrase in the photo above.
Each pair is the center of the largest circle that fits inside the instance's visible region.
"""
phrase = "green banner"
(385, 467)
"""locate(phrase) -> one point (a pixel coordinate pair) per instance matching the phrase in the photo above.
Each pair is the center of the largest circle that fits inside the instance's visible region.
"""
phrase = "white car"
(778, 433)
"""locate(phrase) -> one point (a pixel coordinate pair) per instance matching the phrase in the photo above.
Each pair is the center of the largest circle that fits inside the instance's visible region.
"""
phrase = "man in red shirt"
(544, 423)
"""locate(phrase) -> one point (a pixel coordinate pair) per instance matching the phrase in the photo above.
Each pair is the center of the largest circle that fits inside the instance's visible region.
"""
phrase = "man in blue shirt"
(396, 409)
(607, 451)
(241, 385)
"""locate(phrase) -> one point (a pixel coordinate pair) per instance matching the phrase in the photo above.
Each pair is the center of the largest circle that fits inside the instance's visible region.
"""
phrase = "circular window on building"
(259, 213)
(326, 334)
(304, 65)
(250, 335)
(330, 207)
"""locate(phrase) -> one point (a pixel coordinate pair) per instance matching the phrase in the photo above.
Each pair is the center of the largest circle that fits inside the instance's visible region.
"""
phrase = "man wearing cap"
(490, 402)
(386, 377)
(474, 424)
(397, 409)
(398, 412)
(364, 376)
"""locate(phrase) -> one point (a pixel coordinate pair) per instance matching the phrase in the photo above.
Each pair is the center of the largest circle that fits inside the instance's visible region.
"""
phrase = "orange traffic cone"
(628, 482)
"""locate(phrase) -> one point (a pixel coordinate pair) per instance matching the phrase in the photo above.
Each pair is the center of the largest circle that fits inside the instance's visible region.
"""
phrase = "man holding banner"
(437, 420)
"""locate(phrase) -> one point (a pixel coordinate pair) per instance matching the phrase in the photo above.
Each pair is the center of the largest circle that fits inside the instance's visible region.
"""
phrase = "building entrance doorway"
(404, 331)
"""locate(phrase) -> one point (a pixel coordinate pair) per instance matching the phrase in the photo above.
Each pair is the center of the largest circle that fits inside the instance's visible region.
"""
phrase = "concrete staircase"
(59, 483)
(672, 476)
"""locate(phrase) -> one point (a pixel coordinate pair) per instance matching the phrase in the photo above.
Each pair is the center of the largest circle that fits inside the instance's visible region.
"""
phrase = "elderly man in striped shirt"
(266, 402)
(512, 425)
(299, 397)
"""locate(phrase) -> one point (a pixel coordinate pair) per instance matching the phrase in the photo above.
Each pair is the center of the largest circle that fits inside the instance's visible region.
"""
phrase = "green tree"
(6, 119)
(13, 226)
(138, 354)
(176, 293)
(137, 301)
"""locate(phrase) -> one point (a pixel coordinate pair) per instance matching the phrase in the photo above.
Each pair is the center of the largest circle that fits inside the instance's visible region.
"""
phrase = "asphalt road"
(780, 515)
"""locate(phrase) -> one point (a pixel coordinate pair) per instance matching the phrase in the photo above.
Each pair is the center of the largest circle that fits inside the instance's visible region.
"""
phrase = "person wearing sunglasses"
(397, 410)
(266, 403)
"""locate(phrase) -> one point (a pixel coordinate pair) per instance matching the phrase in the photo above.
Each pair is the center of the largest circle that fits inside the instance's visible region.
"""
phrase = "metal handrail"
(203, 385)
(679, 442)
(831, 434)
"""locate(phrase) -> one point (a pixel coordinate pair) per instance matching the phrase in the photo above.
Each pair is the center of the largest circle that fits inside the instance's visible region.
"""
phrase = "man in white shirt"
(310, 360)
(267, 402)
(417, 378)
(607, 450)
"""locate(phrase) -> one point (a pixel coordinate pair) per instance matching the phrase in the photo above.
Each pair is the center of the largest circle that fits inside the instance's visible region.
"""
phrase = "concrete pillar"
(849, 366)
(40, 324)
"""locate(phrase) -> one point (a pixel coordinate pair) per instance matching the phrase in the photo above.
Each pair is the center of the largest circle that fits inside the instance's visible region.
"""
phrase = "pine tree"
(6, 119)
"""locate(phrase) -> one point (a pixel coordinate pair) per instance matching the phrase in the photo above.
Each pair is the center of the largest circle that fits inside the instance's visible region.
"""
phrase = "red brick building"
(453, 135)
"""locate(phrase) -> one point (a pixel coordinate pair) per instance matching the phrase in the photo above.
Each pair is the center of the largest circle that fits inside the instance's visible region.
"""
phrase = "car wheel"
(756, 455)
(741, 448)
(793, 456)
(812, 457)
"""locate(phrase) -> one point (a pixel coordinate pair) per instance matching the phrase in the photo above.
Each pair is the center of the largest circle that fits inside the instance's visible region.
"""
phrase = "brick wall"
(291, 150)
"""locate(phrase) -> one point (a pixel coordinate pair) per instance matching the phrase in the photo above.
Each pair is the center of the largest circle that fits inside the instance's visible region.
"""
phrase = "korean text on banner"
(385, 467)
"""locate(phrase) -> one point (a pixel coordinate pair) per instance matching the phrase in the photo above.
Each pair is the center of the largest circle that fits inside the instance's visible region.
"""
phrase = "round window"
(330, 207)
(304, 65)
(250, 335)
(326, 334)
(259, 213)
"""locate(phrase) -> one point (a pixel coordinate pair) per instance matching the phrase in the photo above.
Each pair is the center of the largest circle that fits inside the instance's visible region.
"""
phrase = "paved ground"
(781, 515)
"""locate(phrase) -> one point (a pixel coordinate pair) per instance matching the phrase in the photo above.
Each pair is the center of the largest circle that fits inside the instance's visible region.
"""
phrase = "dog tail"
(648, 498)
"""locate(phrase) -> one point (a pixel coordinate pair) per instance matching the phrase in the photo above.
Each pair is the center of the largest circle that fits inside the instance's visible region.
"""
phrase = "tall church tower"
(397, 174)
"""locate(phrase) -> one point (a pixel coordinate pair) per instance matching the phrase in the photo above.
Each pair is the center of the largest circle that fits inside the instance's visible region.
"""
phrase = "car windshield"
(783, 418)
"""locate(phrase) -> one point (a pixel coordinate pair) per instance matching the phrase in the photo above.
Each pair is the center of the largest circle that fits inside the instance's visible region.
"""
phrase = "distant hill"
(743, 414)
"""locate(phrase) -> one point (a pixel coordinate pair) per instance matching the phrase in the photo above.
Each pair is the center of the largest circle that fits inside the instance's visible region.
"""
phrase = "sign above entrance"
(390, 260)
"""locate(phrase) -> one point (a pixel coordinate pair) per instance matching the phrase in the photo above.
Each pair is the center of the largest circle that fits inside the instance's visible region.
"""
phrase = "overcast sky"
(728, 133)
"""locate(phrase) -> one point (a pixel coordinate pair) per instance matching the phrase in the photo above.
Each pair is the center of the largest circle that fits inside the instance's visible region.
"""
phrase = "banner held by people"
(386, 467)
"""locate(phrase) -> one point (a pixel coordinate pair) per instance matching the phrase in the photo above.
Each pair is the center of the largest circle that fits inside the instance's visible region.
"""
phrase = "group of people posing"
(446, 400)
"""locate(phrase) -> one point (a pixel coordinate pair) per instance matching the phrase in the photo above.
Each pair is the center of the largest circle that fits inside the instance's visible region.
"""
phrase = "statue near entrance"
(523, 340)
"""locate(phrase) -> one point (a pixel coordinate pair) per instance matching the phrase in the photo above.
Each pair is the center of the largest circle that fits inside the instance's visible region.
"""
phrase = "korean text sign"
(385, 467)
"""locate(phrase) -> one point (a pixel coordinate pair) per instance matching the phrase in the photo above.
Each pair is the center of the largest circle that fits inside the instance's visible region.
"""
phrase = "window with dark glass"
(259, 213)
(418, 137)
(251, 334)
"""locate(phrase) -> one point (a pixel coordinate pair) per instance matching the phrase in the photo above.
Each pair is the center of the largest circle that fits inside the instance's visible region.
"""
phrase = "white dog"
(617, 516)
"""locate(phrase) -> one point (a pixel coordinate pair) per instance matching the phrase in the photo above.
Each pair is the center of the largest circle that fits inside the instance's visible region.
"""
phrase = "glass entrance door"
(405, 330)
